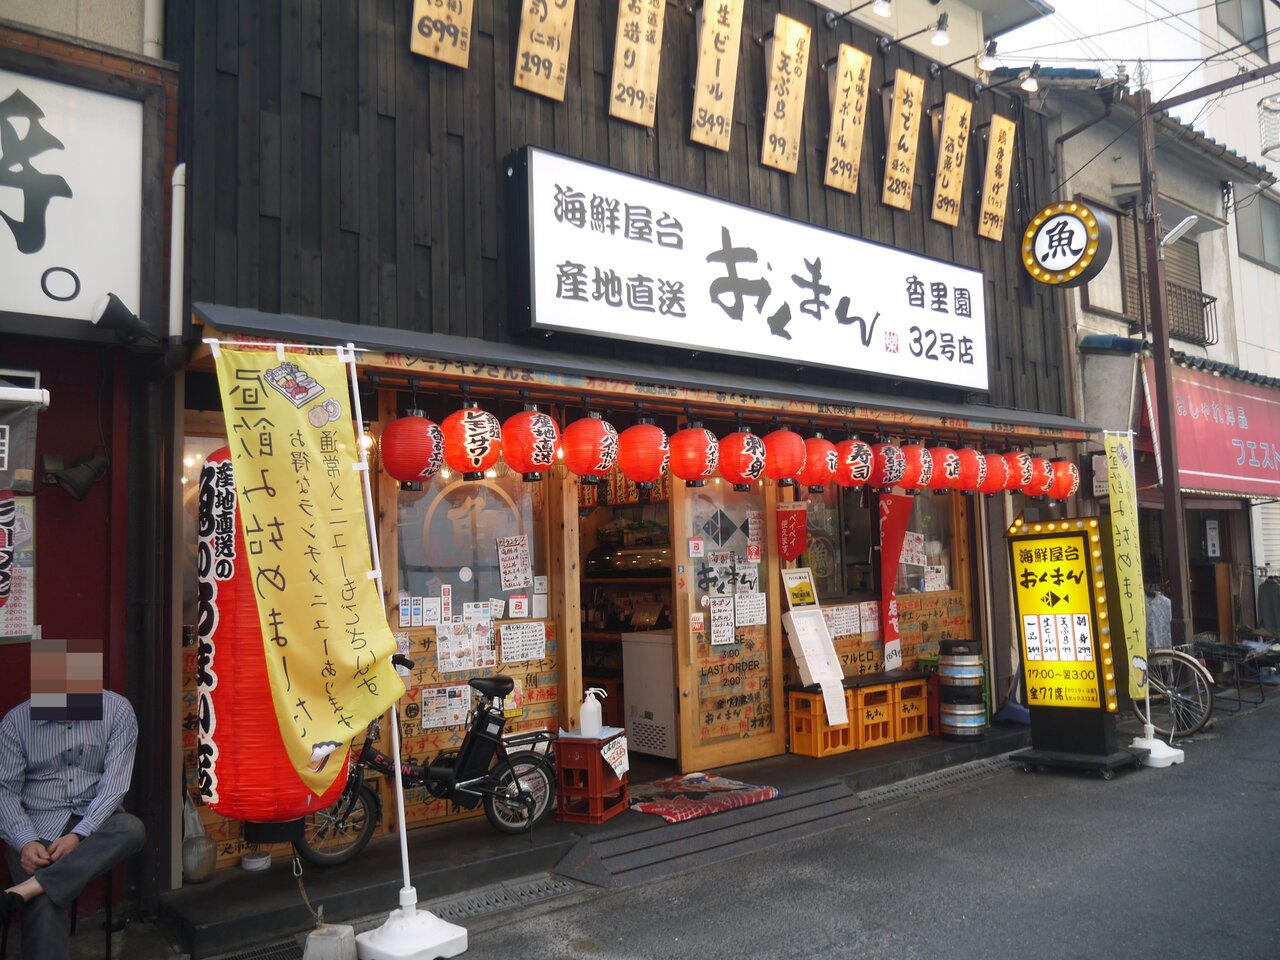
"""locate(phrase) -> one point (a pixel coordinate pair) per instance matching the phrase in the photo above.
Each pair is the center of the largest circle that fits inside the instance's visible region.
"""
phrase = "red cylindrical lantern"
(412, 448)
(1041, 477)
(973, 469)
(243, 769)
(742, 459)
(917, 467)
(853, 463)
(1019, 471)
(1066, 480)
(643, 453)
(997, 478)
(529, 441)
(784, 456)
(472, 440)
(946, 469)
(590, 447)
(695, 454)
(887, 464)
(819, 463)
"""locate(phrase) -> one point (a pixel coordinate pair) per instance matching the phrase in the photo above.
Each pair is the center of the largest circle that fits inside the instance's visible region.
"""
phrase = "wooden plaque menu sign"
(442, 30)
(542, 56)
(637, 53)
(995, 185)
(787, 54)
(952, 137)
(904, 138)
(848, 79)
(719, 43)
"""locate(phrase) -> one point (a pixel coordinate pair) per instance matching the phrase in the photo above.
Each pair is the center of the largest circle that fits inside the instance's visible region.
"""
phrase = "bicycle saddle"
(493, 686)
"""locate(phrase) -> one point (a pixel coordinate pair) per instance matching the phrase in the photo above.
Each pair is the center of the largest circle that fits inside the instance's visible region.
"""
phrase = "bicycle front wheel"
(1181, 694)
(337, 833)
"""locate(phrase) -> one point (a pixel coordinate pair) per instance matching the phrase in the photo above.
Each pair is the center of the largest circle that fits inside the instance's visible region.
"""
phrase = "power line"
(1104, 33)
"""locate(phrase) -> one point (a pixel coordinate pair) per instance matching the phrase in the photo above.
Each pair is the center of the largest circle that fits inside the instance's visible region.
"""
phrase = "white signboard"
(620, 256)
(523, 641)
(72, 179)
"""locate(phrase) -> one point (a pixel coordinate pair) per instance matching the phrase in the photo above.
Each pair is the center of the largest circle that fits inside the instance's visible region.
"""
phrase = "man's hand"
(63, 845)
(34, 856)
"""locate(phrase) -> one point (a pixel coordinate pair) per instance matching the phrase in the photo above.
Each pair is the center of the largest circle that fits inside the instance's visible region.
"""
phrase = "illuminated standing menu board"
(1061, 603)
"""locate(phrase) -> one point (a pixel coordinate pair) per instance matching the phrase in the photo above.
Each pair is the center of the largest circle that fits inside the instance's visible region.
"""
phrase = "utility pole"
(1173, 523)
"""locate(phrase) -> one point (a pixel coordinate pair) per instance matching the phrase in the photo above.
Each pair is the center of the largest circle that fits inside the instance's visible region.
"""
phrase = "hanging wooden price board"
(637, 53)
(719, 43)
(995, 185)
(903, 139)
(848, 80)
(787, 53)
(442, 30)
(542, 55)
(952, 137)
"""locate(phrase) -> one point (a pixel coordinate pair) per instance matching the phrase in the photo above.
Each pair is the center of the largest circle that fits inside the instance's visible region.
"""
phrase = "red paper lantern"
(887, 465)
(529, 441)
(784, 456)
(742, 459)
(997, 477)
(917, 467)
(973, 469)
(1019, 471)
(695, 454)
(819, 463)
(946, 469)
(590, 447)
(411, 449)
(854, 463)
(643, 453)
(472, 441)
(1041, 477)
(1066, 480)
(243, 769)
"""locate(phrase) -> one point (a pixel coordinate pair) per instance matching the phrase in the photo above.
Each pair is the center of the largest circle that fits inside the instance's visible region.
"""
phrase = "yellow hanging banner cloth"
(1128, 560)
(325, 635)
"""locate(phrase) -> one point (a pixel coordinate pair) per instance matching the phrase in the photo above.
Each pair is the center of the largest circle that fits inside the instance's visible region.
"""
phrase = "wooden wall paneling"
(293, 49)
(201, 104)
(248, 155)
(365, 159)
(225, 190)
(310, 46)
(269, 273)
(566, 590)
(330, 162)
(405, 69)
(228, 35)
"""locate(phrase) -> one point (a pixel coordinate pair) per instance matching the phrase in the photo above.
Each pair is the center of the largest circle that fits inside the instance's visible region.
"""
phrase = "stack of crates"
(910, 709)
(587, 789)
(873, 713)
(811, 735)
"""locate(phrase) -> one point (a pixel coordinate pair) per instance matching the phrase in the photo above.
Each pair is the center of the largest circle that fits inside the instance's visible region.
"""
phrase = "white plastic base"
(1160, 754)
(412, 934)
(332, 941)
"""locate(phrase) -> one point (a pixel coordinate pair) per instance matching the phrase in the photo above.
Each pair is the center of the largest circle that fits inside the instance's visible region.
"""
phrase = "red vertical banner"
(793, 533)
(895, 512)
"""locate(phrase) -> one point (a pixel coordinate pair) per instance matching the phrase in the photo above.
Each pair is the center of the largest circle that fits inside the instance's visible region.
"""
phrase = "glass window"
(449, 531)
(1244, 20)
(926, 564)
(1106, 290)
(1258, 227)
(861, 540)
(823, 556)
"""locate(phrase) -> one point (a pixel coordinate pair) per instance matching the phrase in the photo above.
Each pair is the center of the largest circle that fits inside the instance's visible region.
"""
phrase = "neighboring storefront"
(488, 245)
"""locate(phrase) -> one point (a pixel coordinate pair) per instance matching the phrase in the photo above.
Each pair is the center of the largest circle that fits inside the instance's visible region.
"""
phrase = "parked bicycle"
(513, 776)
(1181, 693)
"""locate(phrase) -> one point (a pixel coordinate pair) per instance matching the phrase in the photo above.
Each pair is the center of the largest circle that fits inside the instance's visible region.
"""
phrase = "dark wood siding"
(333, 174)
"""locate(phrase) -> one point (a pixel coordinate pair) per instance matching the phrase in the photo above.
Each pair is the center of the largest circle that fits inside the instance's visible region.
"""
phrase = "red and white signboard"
(1227, 431)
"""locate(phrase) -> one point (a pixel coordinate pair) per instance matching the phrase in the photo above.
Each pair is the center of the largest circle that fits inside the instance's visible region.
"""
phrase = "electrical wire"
(1104, 33)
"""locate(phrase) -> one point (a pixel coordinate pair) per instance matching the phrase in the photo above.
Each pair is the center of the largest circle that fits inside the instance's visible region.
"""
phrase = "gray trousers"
(45, 921)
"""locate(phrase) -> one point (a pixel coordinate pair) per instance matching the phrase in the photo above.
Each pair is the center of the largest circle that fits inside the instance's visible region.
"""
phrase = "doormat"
(696, 795)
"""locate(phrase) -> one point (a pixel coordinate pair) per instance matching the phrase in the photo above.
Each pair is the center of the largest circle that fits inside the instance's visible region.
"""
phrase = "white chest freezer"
(649, 693)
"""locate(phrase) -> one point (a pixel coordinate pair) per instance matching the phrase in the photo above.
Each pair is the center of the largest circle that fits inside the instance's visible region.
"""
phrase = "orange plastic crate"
(873, 711)
(910, 710)
(811, 735)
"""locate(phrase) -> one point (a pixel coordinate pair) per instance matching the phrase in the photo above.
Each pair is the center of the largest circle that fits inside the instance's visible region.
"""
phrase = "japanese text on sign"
(719, 43)
(637, 54)
(542, 55)
(787, 54)
(848, 83)
(953, 150)
(903, 140)
(1130, 596)
(442, 30)
(995, 184)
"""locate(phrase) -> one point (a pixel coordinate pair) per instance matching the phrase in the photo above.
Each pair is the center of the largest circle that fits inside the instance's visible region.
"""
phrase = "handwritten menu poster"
(523, 641)
(442, 30)
(953, 148)
(750, 609)
(722, 620)
(719, 43)
(637, 53)
(995, 184)
(787, 54)
(513, 562)
(542, 53)
(848, 80)
(903, 141)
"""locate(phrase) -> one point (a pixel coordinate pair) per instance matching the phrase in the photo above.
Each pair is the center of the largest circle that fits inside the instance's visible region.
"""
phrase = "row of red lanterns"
(470, 441)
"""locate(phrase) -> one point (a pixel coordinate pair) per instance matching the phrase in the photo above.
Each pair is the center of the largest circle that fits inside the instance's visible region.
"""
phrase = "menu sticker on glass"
(750, 609)
(903, 139)
(722, 616)
(719, 43)
(848, 80)
(787, 53)
(542, 53)
(952, 137)
(995, 184)
(523, 641)
(637, 54)
(513, 562)
(442, 30)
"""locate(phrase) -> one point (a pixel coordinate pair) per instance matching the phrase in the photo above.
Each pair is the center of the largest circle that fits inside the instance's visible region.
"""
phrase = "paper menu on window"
(750, 609)
(523, 641)
(721, 620)
(913, 552)
(445, 706)
(513, 562)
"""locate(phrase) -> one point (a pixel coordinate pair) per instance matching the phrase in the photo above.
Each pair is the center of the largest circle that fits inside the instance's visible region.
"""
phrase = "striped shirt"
(51, 770)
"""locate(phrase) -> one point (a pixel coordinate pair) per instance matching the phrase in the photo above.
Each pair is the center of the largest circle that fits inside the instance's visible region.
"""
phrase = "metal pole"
(1173, 523)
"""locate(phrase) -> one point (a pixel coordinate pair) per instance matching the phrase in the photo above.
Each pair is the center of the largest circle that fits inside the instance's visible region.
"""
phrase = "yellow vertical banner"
(325, 634)
(787, 56)
(1127, 555)
(995, 183)
(848, 80)
(953, 149)
(904, 140)
(719, 43)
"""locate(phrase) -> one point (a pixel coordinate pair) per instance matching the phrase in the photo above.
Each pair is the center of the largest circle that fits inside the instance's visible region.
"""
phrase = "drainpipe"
(153, 29)
(175, 354)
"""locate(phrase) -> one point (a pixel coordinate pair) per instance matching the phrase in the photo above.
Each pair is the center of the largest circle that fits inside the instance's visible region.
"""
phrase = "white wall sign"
(71, 198)
(620, 256)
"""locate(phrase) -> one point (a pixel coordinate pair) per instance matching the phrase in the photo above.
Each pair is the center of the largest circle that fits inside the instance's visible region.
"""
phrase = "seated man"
(66, 758)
